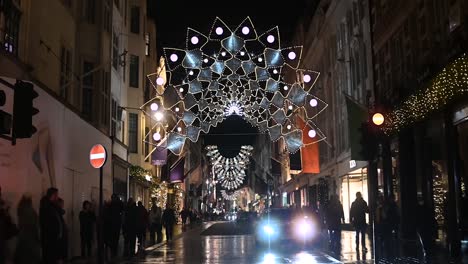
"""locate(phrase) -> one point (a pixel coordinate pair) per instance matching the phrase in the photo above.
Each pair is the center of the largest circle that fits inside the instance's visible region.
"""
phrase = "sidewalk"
(178, 231)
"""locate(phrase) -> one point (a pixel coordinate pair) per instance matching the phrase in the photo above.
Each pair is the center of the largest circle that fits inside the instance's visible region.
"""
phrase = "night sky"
(174, 16)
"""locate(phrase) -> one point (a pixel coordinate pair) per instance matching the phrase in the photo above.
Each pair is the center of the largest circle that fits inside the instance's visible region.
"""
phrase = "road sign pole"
(101, 218)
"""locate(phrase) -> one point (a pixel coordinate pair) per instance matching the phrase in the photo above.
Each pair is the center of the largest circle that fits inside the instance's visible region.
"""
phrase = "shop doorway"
(355, 181)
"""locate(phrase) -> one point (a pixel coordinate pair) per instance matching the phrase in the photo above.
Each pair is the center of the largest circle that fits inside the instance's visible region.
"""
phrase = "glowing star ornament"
(237, 72)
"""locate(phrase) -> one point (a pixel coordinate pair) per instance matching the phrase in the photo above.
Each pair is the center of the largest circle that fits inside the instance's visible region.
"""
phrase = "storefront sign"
(352, 164)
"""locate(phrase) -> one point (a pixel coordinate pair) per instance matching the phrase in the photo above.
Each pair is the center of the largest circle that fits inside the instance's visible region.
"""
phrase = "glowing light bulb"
(159, 116)
(177, 109)
(205, 60)
(313, 102)
(245, 30)
(223, 53)
(290, 107)
(285, 87)
(307, 78)
(154, 107)
(219, 31)
(260, 59)
(242, 53)
(288, 126)
(312, 133)
(157, 136)
(174, 57)
(190, 73)
(194, 40)
(179, 129)
(275, 71)
(292, 55)
(181, 89)
(270, 38)
(160, 81)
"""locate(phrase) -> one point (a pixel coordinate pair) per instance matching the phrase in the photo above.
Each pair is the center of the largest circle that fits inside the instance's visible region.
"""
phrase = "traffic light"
(369, 141)
(5, 118)
(23, 110)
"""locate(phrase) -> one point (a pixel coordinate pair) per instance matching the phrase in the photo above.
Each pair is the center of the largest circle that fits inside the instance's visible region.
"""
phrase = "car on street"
(286, 226)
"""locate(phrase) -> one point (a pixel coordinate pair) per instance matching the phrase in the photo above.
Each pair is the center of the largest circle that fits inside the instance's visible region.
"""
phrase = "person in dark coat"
(64, 238)
(334, 216)
(168, 221)
(184, 215)
(130, 227)
(87, 221)
(142, 225)
(359, 209)
(155, 223)
(51, 227)
(7, 229)
(28, 246)
(116, 208)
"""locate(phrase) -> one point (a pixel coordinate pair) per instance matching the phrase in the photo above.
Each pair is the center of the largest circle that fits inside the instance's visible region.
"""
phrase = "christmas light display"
(230, 172)
(231, 196)
(234, 72)
(449, 84)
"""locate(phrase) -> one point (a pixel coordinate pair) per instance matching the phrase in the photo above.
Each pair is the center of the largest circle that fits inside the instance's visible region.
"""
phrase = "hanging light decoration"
(221, 74)
(231, 196)
(230, 172)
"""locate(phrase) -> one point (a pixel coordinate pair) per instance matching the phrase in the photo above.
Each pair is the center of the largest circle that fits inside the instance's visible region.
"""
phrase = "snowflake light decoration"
(230, 172)
(231, 196)
(229, 70)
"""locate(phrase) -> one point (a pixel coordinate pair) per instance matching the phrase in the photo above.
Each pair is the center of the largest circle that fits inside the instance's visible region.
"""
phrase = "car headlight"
(268, 229)
(304, 229)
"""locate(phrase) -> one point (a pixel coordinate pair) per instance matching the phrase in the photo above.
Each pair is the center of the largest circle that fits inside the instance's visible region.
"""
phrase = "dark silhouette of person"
(334, 217)
(28, 246)
(115, 212)
(391, 222)
(426, 227)
(142, 225)
(64, 231)
(7, 228)
(87, 221)
(155, 216)
(357, 214)
(168, 221)
(184, 215)
(130, 227)
(51, 227)
(107, 229)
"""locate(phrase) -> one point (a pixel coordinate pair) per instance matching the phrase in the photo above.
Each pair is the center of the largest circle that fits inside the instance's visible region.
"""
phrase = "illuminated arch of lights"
(230, 172)
(231, 196)
(234, 71)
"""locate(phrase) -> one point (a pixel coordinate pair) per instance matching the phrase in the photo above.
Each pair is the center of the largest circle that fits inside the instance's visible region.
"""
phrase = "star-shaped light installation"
(230, 195)
(236, 71)
(230, 172)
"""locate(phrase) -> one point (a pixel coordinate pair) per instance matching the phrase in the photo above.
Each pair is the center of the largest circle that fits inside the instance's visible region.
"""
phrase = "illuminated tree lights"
(230, 172)
(450, 83)
(236, 72)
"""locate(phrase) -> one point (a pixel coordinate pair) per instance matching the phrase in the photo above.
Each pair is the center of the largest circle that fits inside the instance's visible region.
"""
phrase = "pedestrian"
(358, 212)
(155, 223)
(168, 221)
(391, 220)
(63, 241)
(28, 246)
(183, 216)
(130, 228)
(106, 229)
(51, 227)
(116, 209)
(334, 216)
(426, 227)
(87, 222)
(142, 225)
(7, 229)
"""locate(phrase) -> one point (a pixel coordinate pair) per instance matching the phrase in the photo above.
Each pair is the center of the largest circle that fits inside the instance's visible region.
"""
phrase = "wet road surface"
(215, 243)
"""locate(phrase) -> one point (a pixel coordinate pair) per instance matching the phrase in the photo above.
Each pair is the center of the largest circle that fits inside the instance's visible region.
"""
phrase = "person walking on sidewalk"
(116, 209)
(28, 246)
(87, 221)
(334, 216)
(155, 223)
(358, 212)
(168, 220)
(142, 225)
(130, 228)
(51, 227)
(184, 215)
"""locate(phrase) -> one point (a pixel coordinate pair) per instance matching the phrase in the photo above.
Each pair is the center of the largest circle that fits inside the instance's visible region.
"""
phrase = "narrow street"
(215, 243)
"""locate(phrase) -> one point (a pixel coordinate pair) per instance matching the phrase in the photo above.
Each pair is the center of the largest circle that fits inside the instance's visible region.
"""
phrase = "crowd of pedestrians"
(43, 237)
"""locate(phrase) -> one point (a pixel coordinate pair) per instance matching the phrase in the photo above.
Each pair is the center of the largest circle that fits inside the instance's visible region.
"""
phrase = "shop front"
(351, 183)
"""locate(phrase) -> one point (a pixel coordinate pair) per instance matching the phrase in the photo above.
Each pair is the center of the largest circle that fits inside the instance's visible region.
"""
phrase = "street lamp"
(378, 119)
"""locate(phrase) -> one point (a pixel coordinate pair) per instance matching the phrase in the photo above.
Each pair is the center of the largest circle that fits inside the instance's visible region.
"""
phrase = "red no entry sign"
(97, 156)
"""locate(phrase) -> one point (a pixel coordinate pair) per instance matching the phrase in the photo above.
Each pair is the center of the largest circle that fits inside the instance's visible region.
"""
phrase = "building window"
(134, 71)
(147, 139)
(87, 90)
(105, 104)
(65, 72)
(9, 25)
(135, 20)
(147, 44)
(133, 133)
(107, 15)
(115, 51)
(90, 11)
